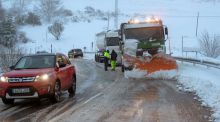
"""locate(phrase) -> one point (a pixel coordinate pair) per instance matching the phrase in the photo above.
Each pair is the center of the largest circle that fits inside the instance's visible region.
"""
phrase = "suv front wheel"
(7, 101)
(72, 89)
(57, 93)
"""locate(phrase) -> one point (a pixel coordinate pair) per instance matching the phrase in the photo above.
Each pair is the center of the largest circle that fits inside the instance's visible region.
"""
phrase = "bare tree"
(49, 8)
(32, 19)
(56, 29)
(9, 56)
(210, 46)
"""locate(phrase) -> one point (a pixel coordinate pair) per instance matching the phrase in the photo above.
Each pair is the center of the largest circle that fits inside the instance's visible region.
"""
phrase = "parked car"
(38, 76)
(40, 52)
(75, 53)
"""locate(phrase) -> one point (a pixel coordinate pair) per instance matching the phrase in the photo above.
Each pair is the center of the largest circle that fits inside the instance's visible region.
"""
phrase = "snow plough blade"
(158, 62)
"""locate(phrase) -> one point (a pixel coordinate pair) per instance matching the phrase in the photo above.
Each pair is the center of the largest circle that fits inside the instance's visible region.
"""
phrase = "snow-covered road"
(108, 96)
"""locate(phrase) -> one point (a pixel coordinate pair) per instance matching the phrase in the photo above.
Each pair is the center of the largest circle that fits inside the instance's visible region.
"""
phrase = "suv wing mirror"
(12, 67)
(62, 64)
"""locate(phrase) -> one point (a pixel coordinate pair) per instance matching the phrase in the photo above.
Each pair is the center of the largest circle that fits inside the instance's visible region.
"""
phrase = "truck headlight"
(3, 79)
(43, 77)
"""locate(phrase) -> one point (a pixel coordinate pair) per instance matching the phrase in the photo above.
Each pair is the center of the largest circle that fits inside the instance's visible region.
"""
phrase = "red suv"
(37, 76)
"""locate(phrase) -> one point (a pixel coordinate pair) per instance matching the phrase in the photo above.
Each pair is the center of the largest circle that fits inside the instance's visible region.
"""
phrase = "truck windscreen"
(146, 33)
(113, 41)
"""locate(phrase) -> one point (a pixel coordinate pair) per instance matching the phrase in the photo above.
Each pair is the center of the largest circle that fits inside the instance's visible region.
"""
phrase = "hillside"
(179, 16)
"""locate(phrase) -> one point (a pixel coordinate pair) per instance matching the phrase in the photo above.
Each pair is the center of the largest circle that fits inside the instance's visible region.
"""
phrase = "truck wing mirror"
(119, 32)
(166, 30)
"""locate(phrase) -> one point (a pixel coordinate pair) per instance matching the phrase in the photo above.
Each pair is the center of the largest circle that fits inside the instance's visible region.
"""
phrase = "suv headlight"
(43, 77)
(3, 79)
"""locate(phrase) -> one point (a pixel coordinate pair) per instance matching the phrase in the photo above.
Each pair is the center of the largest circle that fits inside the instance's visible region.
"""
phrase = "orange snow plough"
(143, 46)
(158, 62)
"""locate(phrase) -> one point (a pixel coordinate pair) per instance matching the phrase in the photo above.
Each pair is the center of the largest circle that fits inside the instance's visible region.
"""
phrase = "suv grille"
(21, 80)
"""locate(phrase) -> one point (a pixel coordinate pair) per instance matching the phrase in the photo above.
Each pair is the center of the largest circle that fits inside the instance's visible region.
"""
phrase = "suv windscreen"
(36, 62)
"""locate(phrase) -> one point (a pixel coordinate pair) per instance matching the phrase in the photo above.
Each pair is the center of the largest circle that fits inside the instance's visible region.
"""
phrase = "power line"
(193, 16)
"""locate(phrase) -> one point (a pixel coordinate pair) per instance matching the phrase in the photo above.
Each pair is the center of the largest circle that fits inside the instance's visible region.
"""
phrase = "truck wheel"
(99, 60)
(8, 101)
(57, 93)
(122, 68)
(96, 58)
(72, 89)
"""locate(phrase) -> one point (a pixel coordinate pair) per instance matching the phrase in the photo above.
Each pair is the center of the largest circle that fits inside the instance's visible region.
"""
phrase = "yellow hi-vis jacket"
(107, 55)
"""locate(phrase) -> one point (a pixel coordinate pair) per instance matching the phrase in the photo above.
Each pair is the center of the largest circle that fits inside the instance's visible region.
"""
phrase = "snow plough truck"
(143, 46)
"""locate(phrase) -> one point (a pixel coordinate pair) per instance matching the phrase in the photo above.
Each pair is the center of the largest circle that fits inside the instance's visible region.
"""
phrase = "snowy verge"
(202, 59)
(204, 82)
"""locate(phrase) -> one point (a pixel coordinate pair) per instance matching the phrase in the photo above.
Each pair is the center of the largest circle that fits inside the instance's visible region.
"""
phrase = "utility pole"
(108, 21)
(197, 24)
(116, 14)
(182, 45)
(46, 35)
(51, 48)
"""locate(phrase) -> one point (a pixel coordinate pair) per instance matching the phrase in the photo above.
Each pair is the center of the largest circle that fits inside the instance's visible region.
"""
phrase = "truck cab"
(141, 39)
(108, 40)
(149, 35)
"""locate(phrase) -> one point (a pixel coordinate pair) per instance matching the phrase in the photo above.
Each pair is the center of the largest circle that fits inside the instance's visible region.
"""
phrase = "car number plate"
(20, 90)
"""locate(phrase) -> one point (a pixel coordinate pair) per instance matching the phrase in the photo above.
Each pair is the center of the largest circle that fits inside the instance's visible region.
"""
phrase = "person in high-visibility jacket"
(113, 60)
(106, 59)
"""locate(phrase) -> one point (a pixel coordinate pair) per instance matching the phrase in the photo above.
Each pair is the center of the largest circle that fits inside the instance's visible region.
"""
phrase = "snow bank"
(163, 74)
(135, 73)
(204, 82)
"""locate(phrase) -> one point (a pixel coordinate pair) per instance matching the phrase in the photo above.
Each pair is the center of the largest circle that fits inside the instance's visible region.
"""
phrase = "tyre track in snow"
(140, 100)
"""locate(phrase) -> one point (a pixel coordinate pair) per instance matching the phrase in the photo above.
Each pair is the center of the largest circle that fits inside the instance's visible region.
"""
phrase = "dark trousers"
(106, 64)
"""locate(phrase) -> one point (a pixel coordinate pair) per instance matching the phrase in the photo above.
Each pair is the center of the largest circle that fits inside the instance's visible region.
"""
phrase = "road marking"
(90, 99)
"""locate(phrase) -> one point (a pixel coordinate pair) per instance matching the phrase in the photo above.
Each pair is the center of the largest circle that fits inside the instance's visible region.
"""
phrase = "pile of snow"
(135, 73)
(163, 74)
(204, 82)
